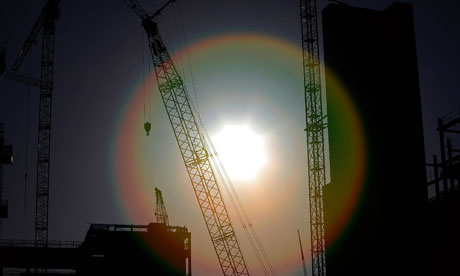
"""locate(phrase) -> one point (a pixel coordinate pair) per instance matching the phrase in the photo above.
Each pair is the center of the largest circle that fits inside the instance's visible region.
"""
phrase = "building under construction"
(108, 249)
(444, 200)
(372, 53)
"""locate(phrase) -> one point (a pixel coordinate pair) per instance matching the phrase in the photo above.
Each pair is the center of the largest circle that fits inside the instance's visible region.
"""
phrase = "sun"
(241, 151)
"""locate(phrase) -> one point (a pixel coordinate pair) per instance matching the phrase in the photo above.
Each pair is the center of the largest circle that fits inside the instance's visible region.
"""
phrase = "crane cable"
(233, 194)
(235, 207)
(226, 179)
(188, 61)
(217, 164)
(152, 4)
(147, 124)
(240, 218)
(168, 39)
(26, 164)
(149, 86)
(143, 69)
(179, 44)
(196, 111)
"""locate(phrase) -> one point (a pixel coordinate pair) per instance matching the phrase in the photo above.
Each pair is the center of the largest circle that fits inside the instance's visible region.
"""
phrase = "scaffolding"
(444, 174)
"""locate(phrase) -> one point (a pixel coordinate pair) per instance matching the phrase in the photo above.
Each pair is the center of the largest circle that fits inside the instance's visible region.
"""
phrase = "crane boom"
(193, 150)
(315, 127)
(32, 38)
(13, 76)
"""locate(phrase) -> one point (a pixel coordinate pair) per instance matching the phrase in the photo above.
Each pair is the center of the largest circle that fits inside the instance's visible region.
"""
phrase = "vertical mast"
(44, 124)
(46, 22)
(315, 127)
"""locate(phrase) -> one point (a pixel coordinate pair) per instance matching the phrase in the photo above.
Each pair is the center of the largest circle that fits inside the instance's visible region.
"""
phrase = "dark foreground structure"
(372, 53)
(443, 239)
(108, 249)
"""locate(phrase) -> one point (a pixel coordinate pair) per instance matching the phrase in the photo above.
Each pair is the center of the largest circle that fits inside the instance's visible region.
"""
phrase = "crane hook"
(147, 127)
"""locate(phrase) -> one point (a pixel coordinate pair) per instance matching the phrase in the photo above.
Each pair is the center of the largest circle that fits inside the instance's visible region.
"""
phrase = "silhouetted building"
(108, 249)
(22, 257)
(442, 242)
(372, 53)
(155, 249)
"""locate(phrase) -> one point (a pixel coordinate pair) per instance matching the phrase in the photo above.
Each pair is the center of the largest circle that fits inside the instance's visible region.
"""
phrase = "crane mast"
(160, 212)
(315, 127)
(45, 22)
(191, 143)
(44, 129)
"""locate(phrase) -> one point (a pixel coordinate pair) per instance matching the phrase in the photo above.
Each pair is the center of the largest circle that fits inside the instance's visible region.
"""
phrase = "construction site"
(301, 137)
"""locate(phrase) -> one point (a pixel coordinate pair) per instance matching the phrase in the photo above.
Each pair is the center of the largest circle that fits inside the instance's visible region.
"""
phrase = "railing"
(32, 243)
(131, 227)
(19, 271)
(176, 229)
(118, 227)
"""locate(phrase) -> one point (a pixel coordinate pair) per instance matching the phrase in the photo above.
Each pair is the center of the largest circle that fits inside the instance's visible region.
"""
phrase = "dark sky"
(246, 68)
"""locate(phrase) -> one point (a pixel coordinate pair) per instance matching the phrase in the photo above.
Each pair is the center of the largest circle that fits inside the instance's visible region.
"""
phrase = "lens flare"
(271, 69)
(241, 151)
(343, 194)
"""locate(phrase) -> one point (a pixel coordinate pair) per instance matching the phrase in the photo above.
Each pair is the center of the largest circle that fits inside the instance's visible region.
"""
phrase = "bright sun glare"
(241, 151)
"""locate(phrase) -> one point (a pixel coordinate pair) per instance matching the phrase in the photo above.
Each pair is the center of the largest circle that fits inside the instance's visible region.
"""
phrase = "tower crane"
(191, 143)
(160, 212)
(315, 128)
(46, 22)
